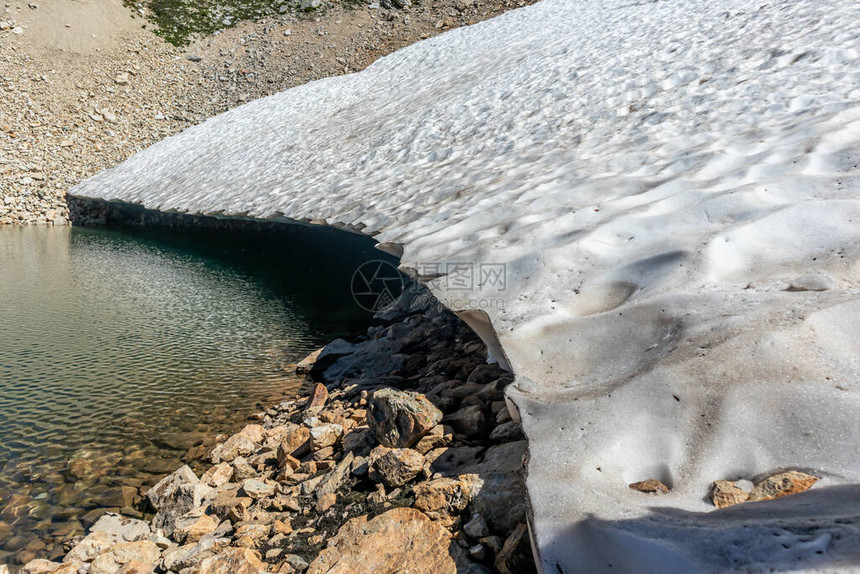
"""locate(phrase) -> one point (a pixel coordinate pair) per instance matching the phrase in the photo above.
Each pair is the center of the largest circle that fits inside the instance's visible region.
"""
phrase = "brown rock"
(39, 566)
(443, 496)
(398, 419)
(318, 398)
(295, 442)
(651, 485)
(217, 475)
(439, 436)
(112, 560)
(782, 484)
(304, 366)
(194, 530)
(281, 527)
(237, 445)
(326, 501)
(232, 561)
(397, 466)
(137, 567)
(400, 540)
(726, 493)
(516, 557)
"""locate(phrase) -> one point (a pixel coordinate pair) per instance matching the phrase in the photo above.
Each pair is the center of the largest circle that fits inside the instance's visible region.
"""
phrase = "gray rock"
(477, 527)
(507, 432)
(469, 421)
(257, 489)
(308, 5)
(163, 490)
(335, 479)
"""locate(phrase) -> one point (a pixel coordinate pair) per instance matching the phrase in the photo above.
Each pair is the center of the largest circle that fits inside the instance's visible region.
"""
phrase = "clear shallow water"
(119, 351)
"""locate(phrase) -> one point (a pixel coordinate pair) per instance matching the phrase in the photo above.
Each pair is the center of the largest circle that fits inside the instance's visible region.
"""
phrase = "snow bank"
(661, 183)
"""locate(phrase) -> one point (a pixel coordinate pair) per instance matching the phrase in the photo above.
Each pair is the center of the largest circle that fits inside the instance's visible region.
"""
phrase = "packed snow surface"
(671, 191)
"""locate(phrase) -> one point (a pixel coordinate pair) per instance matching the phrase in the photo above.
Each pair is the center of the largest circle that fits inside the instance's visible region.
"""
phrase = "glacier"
(668, 194)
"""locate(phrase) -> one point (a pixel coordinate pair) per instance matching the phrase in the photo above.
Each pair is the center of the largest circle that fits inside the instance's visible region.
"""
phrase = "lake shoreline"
(302, 486)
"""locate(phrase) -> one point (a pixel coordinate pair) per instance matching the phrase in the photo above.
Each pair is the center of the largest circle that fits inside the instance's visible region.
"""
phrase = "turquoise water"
(120, 350)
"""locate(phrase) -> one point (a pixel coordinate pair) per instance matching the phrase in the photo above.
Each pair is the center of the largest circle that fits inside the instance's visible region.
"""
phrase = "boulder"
(446, 496)
(398, 419)
(91, 546)
(38, 566)
(160, 494)
(112, 560)
(175, 496)
(123, 528)
(397, 466)
(232, 561)
(218, 475)
(782, 484)
(476, 527)
(726, 493)
(400, 540)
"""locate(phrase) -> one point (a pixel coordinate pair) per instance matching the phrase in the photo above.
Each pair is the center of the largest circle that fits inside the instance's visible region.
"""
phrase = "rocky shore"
(401, 456)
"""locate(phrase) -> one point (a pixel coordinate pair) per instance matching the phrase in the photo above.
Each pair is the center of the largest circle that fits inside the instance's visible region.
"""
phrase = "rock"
(304, 366)
(439, 436)
(137, 567)
(253, 532)
(161, 493)
(359, 441)
(124, 529)
(399, 540)
(335, 479)
(242, 470)
(111, 561)
(726, 493)
(398, 419)
(295, 442)
(651, 486)
(308, 5)
(812, 282)
(516, 556)
(325, 435)
(191, 530)
(90, 547)
(485, 373)
(232, 561)
(443, 496)
(193, 58)
(782, 484)
(226, 502)
(398, 466)
(237, 445)
(469, 421)
(191, 555)
(502, 500)
(118, 497)
(326, 501)
(257, 489)
(254, 433)
(296, 562)
(121, 79)
(317, 400)
(507, 432)
(477, 527)
(39, 566)
(176, 495)
(218, 475)
(281, 527)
